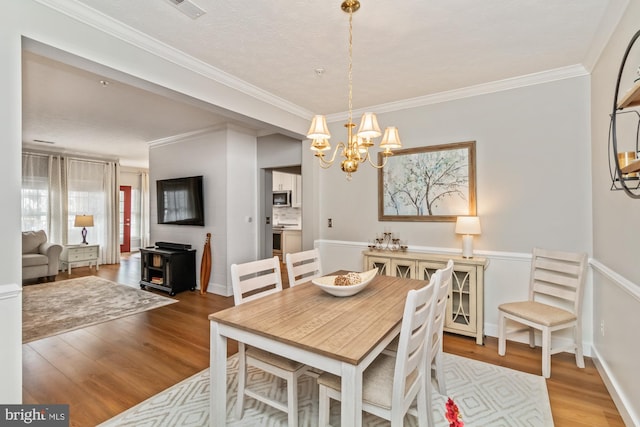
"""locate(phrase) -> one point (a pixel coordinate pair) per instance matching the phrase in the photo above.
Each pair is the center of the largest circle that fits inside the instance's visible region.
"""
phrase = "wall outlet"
(330, 223)
(602, 327)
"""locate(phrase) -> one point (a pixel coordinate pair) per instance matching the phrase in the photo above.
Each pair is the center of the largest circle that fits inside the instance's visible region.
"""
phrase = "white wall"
(533, 174)
(616, 233)
(199, 155)
(242, 199)
(277, 151)
(226, 158)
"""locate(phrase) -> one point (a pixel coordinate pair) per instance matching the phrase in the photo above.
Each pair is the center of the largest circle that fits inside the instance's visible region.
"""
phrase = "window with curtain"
(86, 196)
(35, 192)
(56, 189)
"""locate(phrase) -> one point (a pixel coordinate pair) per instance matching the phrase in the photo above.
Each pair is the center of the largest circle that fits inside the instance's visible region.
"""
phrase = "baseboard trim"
(620, 400)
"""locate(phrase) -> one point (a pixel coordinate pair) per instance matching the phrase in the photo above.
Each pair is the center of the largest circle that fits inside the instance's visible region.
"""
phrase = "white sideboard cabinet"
(465, 306)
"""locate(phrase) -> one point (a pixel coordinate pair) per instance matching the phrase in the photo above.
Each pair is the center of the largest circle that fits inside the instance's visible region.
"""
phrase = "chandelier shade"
(356, 148)
(318, 128)
(369, 127)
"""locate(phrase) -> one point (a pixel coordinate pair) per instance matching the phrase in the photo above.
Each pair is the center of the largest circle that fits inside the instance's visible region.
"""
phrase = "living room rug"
(487, 395)
(55, 307)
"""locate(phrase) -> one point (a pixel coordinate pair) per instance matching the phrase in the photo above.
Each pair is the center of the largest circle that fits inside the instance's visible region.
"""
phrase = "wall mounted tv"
(180, 201)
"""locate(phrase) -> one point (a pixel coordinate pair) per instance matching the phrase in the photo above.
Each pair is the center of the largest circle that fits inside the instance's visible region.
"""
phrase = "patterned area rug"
(55, 307)
(487, 395)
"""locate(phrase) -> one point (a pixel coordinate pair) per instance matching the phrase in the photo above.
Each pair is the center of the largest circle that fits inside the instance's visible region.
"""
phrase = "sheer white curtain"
(93, 190)
(44, 197)
(144, 209)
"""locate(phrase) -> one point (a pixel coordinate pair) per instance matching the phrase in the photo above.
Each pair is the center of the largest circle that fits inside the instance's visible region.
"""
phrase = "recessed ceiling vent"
(188, 7)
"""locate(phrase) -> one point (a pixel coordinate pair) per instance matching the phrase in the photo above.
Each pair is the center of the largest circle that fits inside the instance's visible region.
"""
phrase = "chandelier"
(356, 149)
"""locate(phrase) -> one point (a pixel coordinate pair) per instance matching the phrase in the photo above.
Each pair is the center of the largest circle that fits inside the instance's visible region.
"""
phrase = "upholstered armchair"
(39, 257)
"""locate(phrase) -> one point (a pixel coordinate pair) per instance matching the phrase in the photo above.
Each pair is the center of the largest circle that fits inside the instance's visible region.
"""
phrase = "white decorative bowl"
(326, 284)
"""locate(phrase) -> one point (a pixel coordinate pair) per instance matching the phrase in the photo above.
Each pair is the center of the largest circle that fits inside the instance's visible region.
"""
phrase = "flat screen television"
(180, 201)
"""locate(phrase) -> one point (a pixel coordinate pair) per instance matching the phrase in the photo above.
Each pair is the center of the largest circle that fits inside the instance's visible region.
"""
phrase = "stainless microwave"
(282, 198)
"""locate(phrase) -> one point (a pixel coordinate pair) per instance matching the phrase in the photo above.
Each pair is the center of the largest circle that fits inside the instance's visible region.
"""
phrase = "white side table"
(75, 254)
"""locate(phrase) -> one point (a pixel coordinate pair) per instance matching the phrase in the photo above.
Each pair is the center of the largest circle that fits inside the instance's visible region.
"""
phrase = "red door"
(125, 218)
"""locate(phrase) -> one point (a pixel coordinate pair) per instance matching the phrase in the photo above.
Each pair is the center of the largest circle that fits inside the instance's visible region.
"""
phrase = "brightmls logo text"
(34, 415)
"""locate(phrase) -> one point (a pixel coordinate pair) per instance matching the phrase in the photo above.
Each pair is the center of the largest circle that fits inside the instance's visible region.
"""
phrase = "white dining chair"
(434, 366)
(392, 384)
(556, 285)
(303, 266)
(253, 280)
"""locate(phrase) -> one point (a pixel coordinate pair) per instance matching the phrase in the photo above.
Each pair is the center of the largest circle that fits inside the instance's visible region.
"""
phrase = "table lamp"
(467, 226)
(83, 221)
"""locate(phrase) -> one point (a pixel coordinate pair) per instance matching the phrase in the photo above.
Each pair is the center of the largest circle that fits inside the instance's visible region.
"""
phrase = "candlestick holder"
(387, 242)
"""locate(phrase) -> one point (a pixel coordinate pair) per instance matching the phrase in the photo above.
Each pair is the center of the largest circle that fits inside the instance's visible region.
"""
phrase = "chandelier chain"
(350, 64)
(356, 149)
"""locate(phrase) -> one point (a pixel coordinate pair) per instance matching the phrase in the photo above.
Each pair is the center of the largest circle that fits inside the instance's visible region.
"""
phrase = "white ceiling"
(401, 50)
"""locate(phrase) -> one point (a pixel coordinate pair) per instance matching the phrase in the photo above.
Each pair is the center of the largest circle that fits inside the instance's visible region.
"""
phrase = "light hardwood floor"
(105, 369)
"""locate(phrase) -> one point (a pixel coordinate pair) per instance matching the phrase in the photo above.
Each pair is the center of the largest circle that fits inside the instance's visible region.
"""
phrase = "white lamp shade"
(320, 145)
(83, 221)
(318, 128)
(369, 128)
(391, 138)
(468, 225)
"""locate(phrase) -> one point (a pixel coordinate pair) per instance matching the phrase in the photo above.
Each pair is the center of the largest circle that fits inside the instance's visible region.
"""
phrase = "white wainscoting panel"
(615, 343)
(11, 338)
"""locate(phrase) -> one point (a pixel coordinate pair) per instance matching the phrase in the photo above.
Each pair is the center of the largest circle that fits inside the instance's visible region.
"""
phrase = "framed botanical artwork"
(435, 183)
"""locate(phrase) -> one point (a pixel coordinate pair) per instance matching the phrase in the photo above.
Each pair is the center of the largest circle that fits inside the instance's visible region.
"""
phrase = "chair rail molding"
(10, 291)
(627, 285)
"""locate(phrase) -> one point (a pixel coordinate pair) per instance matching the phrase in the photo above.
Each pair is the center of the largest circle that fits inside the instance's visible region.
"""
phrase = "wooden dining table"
(340, 335)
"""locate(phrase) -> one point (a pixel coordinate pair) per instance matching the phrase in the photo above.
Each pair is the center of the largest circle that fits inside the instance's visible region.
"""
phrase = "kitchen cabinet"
(289, 182)
(283, 181)
(296, 193)
(465, 305)
(291, 241)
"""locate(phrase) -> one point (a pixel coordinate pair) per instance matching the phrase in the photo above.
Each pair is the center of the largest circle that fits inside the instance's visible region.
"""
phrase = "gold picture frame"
(433, 183)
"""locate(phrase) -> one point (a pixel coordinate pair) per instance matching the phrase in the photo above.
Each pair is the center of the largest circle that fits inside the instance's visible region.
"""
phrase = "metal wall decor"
(624, 166)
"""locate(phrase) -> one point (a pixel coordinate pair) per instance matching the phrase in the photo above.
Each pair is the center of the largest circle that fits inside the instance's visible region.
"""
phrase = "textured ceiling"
(401, 50)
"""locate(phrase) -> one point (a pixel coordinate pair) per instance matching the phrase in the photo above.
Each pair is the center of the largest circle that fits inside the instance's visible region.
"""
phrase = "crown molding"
(89, 16)
(192, 134)
(108, 25)
(471, 91)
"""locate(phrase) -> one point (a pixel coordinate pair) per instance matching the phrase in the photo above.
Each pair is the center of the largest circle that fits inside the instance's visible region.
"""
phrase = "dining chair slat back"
(253, 280)
(436, 364)
(556, 286)
(303, 266)
(391, 384)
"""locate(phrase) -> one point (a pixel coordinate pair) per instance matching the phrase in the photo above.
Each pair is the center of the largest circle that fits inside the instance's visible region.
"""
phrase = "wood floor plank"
(105, 369)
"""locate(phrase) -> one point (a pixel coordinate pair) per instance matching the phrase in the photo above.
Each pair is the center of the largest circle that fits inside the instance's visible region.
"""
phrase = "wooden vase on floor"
(205, 265)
